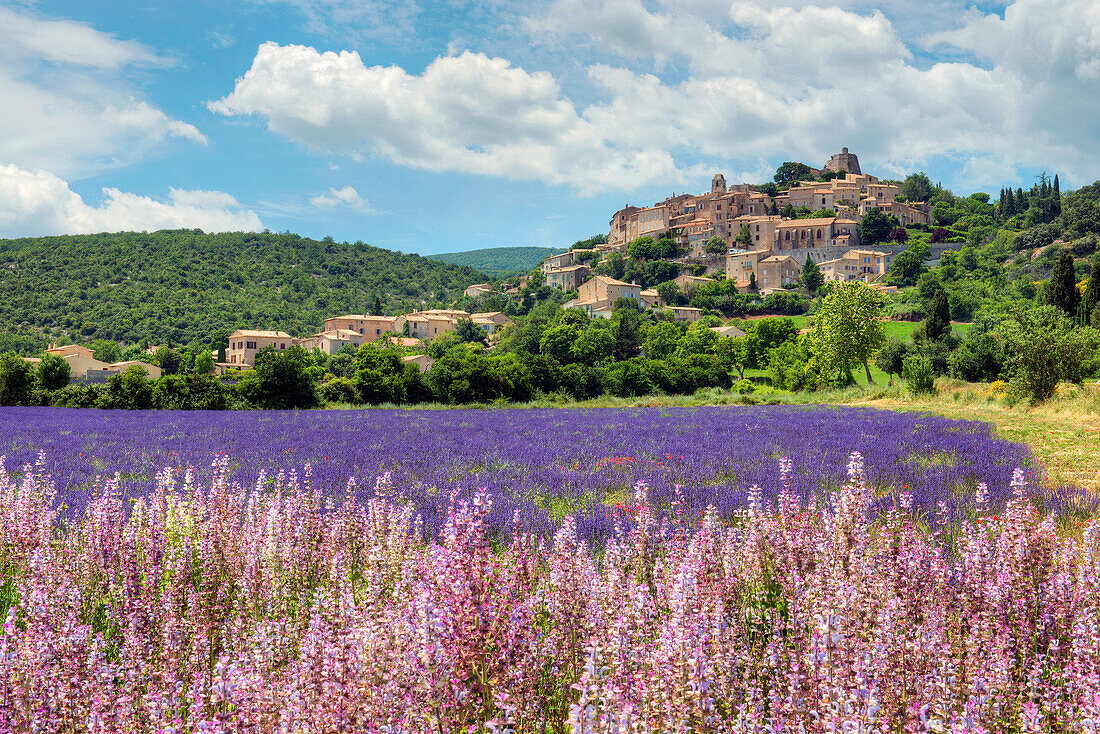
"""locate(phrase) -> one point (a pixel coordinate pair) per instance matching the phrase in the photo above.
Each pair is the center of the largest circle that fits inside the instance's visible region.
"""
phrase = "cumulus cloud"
(75, 112)
(798, 79)
(346, 197)
(469, 113)
(37, 203)
(672, 90)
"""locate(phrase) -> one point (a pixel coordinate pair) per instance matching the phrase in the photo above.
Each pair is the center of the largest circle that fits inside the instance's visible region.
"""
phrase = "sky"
(452, 125)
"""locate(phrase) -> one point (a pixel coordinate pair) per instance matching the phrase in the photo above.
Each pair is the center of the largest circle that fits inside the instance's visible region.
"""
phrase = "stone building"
(843, 161)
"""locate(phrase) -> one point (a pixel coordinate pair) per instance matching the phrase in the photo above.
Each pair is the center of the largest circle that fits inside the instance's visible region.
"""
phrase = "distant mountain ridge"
(500, 262)
(182, 286)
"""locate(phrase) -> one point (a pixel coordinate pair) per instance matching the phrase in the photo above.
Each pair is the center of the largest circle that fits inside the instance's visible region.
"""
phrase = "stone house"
(776, 272)
(331, 342)
(366, 325)
(568, 278)
(244, 344)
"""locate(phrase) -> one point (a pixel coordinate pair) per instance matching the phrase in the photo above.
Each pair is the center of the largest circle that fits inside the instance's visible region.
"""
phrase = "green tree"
(698, 339)
(744, 237)
(906, 269)
(280, 380)
(979, 358)
(380, 376)
(764, 335)
(16, 380)
(169, 360)
(920, 379)
(661, 340)
(848, 329)
(938, 322)
(669, 293)
(715, 245)
(812, 277)
(1043, 349)
(594, 345)
(469, 332)
(106, 350)
(1092, 292)
(788, 365)
(557, 342)
(791, 172)
(130, 390)
(1062, 288)
(53, 372)
(627, 329)
(204, 363)
(917, 187)
(733, 355)
(891, 359)
(753, 286)
(630, 378)
(875, 227)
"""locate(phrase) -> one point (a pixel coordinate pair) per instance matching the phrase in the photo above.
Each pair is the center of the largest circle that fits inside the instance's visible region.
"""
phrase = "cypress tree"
(938, 321)
(812, 277)
(1062, 289)
(1056, 198)
(1092, 293)
(1021, 200)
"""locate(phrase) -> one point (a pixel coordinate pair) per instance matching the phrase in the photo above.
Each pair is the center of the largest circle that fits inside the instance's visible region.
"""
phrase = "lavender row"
(540, 464)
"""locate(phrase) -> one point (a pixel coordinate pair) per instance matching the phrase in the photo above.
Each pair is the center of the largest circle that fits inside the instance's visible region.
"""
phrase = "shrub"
(744, 387)
(918, 376)
(338, 390)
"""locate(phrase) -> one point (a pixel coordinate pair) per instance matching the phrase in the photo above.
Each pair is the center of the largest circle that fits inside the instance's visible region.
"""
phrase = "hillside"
(500, 262)
(181, 286)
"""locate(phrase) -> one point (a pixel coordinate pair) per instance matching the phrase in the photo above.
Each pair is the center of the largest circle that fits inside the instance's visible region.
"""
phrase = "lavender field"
(733, 570)
(537, 465)
(209, 607)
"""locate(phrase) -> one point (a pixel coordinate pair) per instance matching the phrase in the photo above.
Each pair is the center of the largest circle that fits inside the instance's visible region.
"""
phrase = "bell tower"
(718, 184)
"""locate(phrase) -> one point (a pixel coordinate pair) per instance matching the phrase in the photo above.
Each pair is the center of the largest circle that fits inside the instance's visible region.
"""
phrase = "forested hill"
(181, 286)
(500, 262)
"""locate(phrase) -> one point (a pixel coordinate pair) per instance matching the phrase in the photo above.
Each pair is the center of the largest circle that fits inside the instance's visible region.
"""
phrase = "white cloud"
(70, 108)
(36, 203)
(673, 90)
(467, 113)
(800, 80)
(69, 42)
(344, 197)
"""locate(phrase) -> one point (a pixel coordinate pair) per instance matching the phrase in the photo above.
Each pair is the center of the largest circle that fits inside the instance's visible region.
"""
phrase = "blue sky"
(441, 126)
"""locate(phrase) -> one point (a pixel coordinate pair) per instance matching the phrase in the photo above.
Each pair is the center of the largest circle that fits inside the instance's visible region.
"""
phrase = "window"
(819, 234)
(282, 346)
(250, 345)
(377, 332)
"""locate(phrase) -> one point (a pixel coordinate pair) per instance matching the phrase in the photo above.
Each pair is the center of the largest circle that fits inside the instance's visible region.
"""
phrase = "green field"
(900, 329)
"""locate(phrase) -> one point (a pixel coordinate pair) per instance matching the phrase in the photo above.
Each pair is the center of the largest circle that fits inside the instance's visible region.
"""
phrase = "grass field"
(900, 329)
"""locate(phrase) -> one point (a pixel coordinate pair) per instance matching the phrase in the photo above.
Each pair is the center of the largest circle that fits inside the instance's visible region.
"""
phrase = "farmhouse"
(244, 344)
(366, 325)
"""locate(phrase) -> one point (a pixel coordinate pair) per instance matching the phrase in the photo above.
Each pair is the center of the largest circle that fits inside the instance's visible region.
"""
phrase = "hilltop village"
(757, 238)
